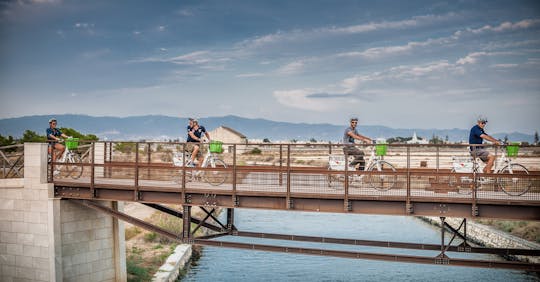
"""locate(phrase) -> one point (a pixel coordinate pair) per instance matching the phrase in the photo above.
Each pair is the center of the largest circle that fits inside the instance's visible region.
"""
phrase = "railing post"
(234, 199)
(329, 147)
(93, 170)
(288, 198)
(408, 207)
(346, 205)
(149, 159)
(437, 163)
(184, 162)
(280, 164)
(136, 192)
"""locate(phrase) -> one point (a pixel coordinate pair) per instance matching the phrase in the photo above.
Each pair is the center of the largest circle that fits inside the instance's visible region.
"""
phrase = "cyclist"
(195, 135)
(53, 136)
(190, 125)
(349, 149)
(476, 137)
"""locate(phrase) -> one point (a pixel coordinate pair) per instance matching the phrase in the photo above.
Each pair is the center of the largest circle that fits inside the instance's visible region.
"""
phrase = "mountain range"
(159, 127)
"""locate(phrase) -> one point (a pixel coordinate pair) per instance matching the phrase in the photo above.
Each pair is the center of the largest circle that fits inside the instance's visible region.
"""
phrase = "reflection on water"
(222, 264)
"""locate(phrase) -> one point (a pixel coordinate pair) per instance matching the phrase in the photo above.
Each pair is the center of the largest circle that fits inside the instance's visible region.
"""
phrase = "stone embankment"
(170, 270)
(487, 236)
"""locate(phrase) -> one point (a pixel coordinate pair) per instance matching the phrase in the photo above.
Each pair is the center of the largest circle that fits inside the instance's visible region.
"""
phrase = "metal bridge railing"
(12, 161)
(289, 170)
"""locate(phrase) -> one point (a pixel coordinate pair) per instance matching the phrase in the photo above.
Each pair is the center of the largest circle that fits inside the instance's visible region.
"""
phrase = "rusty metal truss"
(229, 229)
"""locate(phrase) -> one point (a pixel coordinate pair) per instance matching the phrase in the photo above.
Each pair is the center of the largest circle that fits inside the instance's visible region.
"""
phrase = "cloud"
(291, 68)
(313, 100)
(503, 27)
(87, 28)
(246, 75)
(203, 59)
(323, 33)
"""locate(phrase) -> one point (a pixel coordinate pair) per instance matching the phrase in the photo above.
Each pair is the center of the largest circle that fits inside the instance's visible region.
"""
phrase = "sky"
(402, 64)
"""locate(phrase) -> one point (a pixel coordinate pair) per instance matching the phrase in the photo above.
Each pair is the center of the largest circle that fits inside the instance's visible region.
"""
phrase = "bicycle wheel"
(514, 186)
(216, 177)
(463, 184)
(384, 181)
(337, 181)
(73, 166)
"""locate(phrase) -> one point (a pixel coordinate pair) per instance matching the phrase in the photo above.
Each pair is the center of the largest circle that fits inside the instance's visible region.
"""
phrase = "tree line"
(32, 136)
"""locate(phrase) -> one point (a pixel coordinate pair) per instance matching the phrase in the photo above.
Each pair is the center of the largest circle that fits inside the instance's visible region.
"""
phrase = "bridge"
(296, 177)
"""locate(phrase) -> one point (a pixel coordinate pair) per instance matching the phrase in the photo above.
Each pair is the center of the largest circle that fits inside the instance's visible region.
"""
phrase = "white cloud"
(247, 75)
(203, 59)
(324, 33)
(313, 100)
(291, 68)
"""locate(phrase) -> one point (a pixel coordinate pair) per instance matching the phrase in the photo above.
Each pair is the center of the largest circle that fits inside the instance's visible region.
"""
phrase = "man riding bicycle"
(349, 149)
(477, 136)
(196, 136)
(53, 136)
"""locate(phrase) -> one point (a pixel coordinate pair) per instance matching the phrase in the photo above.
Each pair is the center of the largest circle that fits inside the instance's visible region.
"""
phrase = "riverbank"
(488, 236)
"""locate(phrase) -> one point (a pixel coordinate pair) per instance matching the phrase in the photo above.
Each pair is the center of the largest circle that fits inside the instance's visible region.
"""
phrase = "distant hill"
(158, 127)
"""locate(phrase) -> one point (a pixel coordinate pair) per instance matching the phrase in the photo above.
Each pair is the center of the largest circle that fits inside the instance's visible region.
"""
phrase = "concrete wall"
(48, 239)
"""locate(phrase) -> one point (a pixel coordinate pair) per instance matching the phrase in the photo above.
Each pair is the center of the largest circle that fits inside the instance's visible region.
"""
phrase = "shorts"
(480, 153)
(191, 145)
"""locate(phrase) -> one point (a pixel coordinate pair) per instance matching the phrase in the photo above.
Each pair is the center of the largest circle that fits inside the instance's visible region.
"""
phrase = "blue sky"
(403, 64)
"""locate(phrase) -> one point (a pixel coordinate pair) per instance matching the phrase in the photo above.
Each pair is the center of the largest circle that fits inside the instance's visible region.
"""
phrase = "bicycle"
(211, 160)
(512, 186)
(72, 161)
(375, 163)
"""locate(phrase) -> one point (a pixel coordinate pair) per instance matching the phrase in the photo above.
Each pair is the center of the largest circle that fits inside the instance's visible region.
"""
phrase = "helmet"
(482, 119)
(52, 119)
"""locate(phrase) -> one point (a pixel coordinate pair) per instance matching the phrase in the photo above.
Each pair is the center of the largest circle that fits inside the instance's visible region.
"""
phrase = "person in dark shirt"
(195, 136)
(349, 149)
(190, 125)
(476, 137)
(53, 137)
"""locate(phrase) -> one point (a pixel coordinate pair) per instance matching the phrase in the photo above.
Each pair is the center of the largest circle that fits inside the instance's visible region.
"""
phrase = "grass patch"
(134, 265)
(131, 232)
(528, 230)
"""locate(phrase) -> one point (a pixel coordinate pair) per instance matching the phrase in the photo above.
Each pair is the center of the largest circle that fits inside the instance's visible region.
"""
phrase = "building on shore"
(416, 140)
(229, 136)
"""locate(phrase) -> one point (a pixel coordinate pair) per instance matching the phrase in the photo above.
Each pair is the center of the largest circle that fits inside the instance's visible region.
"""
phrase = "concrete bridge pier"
(43, 238)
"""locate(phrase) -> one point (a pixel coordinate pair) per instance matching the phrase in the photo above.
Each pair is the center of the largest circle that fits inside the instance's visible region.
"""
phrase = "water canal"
(222, 264)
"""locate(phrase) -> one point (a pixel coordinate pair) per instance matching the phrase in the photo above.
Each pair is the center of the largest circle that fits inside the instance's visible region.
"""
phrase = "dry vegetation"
(146, 251)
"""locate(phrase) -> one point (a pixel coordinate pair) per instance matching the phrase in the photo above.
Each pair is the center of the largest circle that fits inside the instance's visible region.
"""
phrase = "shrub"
(255, 151)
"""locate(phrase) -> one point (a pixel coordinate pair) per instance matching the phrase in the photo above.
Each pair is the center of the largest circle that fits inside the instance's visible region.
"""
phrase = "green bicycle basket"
(216, 147)
(512, 150)
(380, 149)
(72, 143)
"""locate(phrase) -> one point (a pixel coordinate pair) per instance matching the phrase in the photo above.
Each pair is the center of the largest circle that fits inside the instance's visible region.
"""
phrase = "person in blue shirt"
(195, 136)
(53, 137)
(476, 137)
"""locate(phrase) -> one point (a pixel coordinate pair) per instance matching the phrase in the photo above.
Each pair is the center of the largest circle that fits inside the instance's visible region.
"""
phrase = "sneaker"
(190, 165)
